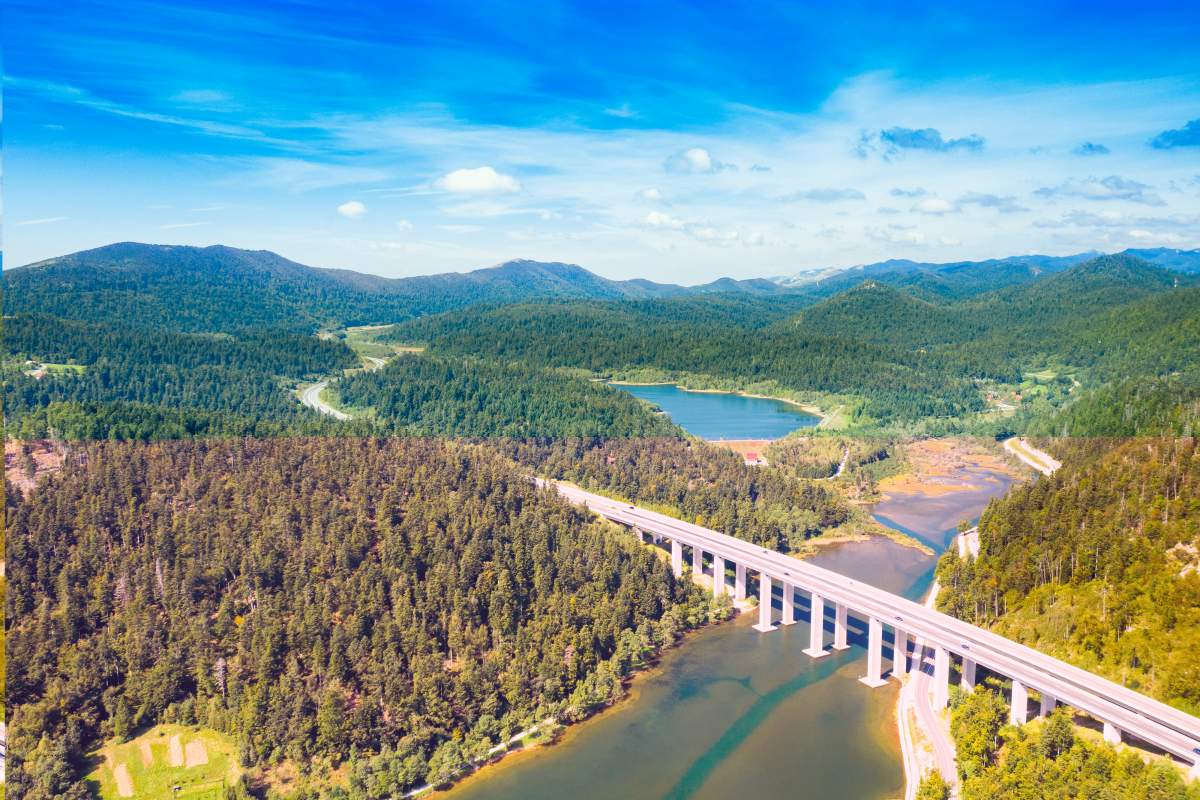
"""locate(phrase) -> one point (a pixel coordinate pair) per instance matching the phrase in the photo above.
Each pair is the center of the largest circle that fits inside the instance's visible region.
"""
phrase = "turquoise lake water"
(714, 416)
(735, 713)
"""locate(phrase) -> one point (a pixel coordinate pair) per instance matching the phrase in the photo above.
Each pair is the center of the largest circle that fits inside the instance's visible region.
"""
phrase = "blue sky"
(678, 141)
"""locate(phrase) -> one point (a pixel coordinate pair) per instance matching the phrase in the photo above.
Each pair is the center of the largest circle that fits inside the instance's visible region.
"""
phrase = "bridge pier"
(839, 627)
(900, 653)
(739, 581)
(1194, 772)
(941, 677)
(968, 675)
(764, 604)
(677, 558)
(697, 561)
(874, 676)
(816, 628)
(1048, 704)
(718, 576)
(1018, 712)
(1112, 734)
(789, 604)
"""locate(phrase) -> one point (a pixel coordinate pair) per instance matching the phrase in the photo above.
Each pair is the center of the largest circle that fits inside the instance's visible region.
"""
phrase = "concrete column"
(1018, 713)
(1048, 704)
(697, 561)
(816, 628)
(764, 604)
(1194, 772)
(1112, 734)
(900, 653)
(718, 576)
(941, 677)
(968, 676)
(677, 558)
(739, 581)
(639, 533)
(789, 604)
(839, 628)
(874, 677)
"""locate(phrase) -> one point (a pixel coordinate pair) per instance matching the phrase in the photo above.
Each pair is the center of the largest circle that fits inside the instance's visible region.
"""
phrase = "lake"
(723, 415)
(732, 712)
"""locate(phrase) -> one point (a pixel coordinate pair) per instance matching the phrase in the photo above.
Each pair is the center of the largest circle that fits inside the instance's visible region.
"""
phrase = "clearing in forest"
(200, 761)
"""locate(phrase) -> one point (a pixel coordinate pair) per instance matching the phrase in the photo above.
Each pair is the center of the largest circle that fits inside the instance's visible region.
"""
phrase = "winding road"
(311, 397)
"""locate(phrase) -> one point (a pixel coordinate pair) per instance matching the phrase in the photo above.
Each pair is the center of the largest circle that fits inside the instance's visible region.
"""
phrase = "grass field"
(200, 761)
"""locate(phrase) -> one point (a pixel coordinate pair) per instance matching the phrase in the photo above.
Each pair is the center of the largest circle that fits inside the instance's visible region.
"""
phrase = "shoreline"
(807, 408)
(511, 756)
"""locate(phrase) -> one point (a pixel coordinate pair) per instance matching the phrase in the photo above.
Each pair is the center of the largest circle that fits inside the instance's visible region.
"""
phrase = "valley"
(374, 439)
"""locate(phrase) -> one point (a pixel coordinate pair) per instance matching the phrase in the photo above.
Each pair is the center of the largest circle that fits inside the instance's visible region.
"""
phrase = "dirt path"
(124, 782)
(175, 751)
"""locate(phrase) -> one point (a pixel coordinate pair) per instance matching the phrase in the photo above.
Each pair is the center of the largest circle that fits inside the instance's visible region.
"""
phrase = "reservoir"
(735, 713)
(723, 415)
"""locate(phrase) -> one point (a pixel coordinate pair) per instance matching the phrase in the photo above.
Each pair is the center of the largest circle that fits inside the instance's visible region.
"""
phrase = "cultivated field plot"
(199, 761)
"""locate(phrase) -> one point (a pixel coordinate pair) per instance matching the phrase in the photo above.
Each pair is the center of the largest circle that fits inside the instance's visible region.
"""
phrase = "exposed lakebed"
(723, 415)
(732, 712)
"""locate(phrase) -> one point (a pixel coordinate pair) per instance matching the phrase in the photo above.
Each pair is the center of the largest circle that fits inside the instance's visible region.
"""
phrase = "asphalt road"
(1138, 715)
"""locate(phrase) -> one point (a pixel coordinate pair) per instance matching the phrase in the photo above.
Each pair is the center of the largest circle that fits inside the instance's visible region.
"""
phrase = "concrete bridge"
(1123, 712)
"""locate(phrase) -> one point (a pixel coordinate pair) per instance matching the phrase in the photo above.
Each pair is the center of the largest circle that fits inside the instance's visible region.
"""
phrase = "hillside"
(226, 289)
(882, 314)
(960, 279)
(1098, 564)
(316, 597)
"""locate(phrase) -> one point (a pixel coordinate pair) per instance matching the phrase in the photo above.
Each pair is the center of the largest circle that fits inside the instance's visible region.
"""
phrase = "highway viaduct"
(1123, 712)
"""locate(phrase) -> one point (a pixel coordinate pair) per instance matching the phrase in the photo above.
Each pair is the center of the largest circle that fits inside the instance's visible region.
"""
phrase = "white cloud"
(480, 180)
(460, 228)
(174, 225)
(622, 111)
(404, 225)
(352, 209)
(696, 161)
(933, 205)
(657, 219)
(651, 195)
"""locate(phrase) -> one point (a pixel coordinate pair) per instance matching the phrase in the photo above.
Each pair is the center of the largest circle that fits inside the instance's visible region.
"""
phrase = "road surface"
(311, 397)
(1137, 715)
(1040, 460)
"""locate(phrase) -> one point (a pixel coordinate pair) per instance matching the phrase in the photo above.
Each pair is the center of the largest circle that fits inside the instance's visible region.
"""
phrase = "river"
(723, 415)
(732, 712)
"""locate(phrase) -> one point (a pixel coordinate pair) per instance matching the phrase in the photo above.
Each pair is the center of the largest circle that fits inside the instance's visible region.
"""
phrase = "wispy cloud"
(1005, 204)
(1114, 187)
(1091, 149)
(893, 141)
(1187, 136)
(352, 209)
(826, 195)
(41, 221)
(173, 225)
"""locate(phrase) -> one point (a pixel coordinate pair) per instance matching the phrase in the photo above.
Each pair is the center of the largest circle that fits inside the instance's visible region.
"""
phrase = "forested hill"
(315, 597)
(226, 289)
(908, 358)
(1098, 564)
(960, 279)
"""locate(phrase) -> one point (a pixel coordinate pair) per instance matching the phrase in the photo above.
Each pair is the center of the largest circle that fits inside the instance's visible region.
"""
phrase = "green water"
(733, 713)
(721, 415)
